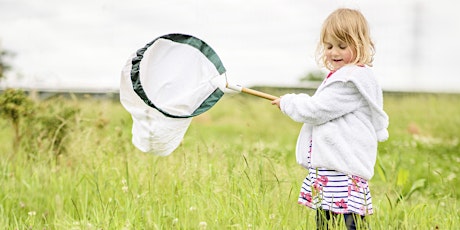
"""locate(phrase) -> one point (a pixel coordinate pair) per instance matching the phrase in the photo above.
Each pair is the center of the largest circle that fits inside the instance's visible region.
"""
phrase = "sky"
(77, 44)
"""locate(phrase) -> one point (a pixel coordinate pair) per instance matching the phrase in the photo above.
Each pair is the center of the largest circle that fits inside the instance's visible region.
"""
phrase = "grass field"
(235, 169)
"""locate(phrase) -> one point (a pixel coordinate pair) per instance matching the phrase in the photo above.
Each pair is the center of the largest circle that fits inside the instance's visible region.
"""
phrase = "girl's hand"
(277, 102)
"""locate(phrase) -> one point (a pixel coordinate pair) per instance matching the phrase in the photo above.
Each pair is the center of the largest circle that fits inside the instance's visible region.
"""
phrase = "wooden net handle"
(239, 88)
(258, 94)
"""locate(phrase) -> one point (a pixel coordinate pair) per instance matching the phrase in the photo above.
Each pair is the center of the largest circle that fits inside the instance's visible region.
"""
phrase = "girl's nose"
(334, 51)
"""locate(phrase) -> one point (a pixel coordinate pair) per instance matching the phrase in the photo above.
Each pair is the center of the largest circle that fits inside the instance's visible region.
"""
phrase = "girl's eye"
(328, 47)
(343, 47)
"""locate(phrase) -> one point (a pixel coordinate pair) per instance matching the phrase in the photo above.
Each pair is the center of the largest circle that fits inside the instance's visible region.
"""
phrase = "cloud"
(85, 43)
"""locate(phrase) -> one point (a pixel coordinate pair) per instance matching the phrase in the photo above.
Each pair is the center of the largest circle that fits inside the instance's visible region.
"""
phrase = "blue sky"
(85, 43)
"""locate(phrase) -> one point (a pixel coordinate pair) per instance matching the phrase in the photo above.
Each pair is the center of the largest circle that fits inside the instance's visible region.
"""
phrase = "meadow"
(235, 169)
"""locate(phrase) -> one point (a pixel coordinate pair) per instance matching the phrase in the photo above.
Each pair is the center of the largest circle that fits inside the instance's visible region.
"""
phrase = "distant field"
(235, 169)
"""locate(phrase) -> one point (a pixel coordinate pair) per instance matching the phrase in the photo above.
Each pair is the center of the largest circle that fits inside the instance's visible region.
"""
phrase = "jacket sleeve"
(333, 101)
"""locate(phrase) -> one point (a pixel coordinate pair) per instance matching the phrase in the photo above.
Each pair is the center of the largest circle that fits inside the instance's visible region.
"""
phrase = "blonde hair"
(350, 27)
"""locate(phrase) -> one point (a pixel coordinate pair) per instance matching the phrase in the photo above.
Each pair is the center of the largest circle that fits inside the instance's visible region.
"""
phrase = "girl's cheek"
(352, 55)
(348, 61)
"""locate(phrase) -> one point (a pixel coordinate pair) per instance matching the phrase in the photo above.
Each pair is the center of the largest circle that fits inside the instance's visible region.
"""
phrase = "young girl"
(343, 122)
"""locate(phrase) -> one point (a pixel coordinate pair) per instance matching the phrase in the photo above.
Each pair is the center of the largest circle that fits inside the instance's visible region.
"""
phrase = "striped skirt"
(335, 191)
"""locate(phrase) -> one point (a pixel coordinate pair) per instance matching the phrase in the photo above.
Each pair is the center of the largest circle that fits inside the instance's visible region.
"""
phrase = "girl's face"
(337, 53)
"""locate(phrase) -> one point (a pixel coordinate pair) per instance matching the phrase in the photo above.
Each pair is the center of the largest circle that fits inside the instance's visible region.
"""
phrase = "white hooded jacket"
(344, 119)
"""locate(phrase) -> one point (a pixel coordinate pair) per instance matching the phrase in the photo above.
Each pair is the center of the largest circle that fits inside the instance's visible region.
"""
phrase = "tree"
(4, 65)
(15, 105)
(316, 75)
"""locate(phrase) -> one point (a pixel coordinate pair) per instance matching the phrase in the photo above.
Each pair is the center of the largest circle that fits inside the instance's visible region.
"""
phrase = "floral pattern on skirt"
(335, 191)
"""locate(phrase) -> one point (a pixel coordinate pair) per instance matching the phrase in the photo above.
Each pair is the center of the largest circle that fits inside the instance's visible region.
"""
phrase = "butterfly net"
(166, 83)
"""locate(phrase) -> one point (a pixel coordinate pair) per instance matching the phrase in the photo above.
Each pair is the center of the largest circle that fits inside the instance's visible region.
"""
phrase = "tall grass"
(234, 170)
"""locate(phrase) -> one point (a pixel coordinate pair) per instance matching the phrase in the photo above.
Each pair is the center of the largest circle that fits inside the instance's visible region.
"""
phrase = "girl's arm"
(335, 100)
